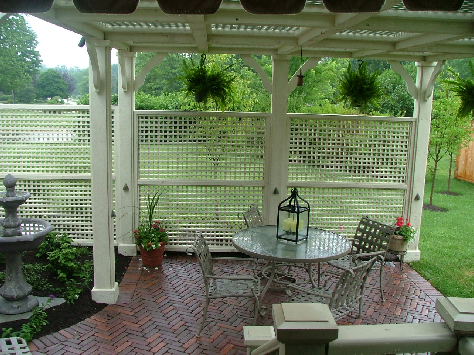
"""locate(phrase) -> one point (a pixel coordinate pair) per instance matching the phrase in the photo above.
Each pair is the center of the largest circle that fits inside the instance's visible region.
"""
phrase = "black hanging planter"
(25, 6)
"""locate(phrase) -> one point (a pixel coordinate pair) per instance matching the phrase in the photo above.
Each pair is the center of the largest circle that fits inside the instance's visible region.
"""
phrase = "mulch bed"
(66, 315)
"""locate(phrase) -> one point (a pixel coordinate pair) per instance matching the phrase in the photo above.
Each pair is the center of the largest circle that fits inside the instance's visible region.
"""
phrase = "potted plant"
(151, 236)
(358, 88)
(207, 81)
(404, 234)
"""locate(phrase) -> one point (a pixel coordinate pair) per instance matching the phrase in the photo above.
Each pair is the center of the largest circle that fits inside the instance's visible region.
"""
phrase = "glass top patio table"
(261, 242)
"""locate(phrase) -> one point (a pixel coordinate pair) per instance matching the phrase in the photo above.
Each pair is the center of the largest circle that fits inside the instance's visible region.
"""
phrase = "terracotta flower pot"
(397, 243)
(152, 257)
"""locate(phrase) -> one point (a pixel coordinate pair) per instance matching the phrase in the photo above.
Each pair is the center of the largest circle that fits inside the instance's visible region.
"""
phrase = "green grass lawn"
(447, 238)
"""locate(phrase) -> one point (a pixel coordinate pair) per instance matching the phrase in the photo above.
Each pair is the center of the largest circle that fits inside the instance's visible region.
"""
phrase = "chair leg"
(256, 310)
(381, 279)
(204, 315)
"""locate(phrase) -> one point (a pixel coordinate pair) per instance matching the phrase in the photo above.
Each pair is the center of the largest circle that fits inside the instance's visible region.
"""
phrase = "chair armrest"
(370, 255)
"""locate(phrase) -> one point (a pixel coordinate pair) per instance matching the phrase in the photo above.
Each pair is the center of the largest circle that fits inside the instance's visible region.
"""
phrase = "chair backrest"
(201, 249)
(349, 289)
(372, 236)
(252, 217)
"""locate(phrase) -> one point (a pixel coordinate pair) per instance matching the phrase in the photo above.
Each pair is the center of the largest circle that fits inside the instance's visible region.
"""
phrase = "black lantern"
(293, 218)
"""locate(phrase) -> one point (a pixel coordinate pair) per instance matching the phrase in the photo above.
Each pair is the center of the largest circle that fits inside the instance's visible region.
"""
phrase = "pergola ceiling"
(394, 33)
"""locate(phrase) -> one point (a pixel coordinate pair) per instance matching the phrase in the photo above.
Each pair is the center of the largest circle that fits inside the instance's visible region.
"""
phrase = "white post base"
(109, 296)
(127, 249)
(412, 255)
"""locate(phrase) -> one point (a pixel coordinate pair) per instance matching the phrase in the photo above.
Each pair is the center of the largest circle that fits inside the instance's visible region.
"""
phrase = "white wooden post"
(304, 328)
(277, 141)
(105, 288)
(422, 92)
(426, 76)
(125, 159)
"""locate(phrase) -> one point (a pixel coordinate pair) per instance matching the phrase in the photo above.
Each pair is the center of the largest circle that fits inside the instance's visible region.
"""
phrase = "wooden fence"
(465, 163)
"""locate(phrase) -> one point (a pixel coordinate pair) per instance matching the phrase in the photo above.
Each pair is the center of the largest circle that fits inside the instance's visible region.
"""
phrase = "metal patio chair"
(252, 217)
(343, 297)
(223, 286)
(371, 239)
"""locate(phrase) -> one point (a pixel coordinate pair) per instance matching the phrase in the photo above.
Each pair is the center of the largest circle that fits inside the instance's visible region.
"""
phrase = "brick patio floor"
(159, 312)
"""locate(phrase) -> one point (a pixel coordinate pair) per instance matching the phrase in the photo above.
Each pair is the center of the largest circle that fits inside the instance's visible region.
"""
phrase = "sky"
(58, 46)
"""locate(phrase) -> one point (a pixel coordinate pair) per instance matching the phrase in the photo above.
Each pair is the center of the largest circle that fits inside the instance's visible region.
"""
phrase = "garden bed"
(66, 314)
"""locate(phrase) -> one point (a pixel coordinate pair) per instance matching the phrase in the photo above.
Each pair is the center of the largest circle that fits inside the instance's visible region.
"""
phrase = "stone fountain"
(16, 236)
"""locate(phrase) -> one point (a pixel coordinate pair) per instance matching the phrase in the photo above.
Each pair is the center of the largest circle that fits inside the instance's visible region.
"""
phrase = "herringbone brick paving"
(159, 312)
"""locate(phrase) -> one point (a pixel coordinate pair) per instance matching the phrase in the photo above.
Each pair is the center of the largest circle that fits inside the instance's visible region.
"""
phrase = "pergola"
(392, 30)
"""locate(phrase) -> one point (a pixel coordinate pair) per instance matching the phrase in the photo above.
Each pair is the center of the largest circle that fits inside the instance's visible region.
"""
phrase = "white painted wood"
(125, 158)
(417, 172)
(393, 339)
(105, 288)
(309, 64)
(276, 142)
(140, 78)
(251, 62)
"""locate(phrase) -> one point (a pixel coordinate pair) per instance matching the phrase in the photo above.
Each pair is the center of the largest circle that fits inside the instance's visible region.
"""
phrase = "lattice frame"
(349, 150)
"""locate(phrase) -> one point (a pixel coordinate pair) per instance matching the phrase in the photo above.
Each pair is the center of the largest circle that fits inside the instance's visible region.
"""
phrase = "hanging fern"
(464, 88)
(208, 81)
(358, 88)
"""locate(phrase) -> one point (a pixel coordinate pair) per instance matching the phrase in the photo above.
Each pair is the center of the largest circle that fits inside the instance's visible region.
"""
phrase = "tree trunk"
(450, 171)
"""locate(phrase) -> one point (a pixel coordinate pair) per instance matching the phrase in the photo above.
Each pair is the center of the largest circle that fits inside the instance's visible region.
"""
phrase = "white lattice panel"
(48, 149)
(356, 150)
(45, 141)
(216, 147)
(213, 210)
(340, 210)
(65, 204)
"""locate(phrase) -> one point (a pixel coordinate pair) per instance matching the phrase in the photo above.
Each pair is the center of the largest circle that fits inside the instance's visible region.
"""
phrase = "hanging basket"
(152, 257)
(397, 243)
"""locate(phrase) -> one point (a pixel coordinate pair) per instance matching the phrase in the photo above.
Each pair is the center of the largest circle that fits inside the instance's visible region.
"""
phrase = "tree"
(19, 61)
(68, 78)
(445, 132)
(50, 83)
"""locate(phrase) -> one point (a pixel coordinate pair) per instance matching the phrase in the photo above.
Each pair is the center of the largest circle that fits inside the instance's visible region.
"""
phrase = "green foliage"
(19, 60)
(64, 261)
(359, 88)
(83, 100)
(464, 89)
(446, 241)
(28, 330)
(395, 99)
(161, 80)
(50, 83)
(33, 274)
(207, 81)
(406, 230)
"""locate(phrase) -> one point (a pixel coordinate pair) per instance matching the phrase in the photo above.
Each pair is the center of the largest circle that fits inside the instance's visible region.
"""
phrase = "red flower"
(399, 222)
(135, 231)
(161, 230)
(154, 225)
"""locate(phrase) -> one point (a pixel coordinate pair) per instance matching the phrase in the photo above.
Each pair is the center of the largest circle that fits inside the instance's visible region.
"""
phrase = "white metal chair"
(252, 217)
(223, 286)
(343, 297)
(371, 239)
